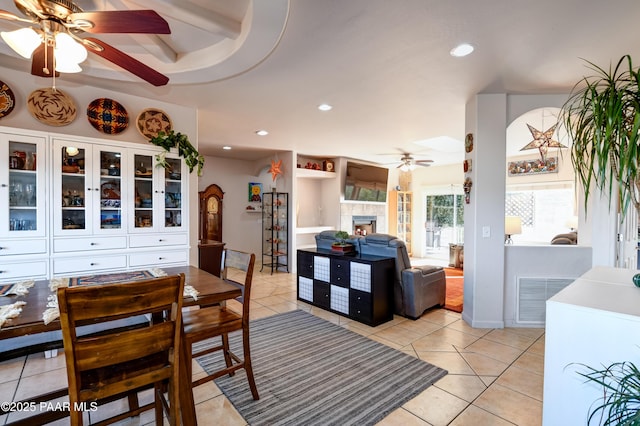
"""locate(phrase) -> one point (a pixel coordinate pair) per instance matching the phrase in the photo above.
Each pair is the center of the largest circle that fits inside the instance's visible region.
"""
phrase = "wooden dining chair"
(118, 363)
(213, 321)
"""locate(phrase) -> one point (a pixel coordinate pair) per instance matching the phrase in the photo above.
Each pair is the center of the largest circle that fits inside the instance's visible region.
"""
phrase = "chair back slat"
(116, 301)
(122, 347)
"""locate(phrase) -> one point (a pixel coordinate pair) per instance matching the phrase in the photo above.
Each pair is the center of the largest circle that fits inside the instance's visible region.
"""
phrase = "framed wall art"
(533, 167)
(255, 192)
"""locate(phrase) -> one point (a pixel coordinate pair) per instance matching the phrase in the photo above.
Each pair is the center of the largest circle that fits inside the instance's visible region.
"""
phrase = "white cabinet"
(23, 206)
(157, 194)
(594, 321)
(88, 191)
(74, 206)
(22, 186)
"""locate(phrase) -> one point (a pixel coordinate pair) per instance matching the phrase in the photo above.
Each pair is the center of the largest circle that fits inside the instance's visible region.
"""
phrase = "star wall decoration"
(276, 169)
(542, 141)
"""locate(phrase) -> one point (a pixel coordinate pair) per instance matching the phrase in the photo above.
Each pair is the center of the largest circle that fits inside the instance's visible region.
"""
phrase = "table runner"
(17, 289)
(52, 312)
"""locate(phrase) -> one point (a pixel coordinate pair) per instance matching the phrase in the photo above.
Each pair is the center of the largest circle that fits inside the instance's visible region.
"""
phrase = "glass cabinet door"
(23, 186)
(143, 191)
(173, 193)
(75, 190)
(110, 188)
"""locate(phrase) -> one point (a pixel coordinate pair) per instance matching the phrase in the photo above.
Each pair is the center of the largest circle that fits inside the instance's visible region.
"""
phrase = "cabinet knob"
(160, 240)
(93, 244)
(161, 258)
(92, 264)
(96, 189)
(339, 266)
(4, 185)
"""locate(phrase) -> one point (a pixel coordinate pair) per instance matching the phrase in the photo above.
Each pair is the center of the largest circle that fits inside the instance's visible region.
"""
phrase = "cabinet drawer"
(24, 270)
(322, 295)
(158, 240)
(23, 246)
(88, 264)
(158, 258)
(360, 305)
(340, 272)
(305, 264)
(89, 244)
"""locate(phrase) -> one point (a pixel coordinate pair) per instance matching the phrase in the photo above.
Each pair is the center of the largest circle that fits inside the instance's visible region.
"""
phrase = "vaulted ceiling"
(383, 65)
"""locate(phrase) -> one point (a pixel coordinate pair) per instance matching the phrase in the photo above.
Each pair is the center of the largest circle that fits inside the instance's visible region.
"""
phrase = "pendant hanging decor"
(276, 169)
(542, 141)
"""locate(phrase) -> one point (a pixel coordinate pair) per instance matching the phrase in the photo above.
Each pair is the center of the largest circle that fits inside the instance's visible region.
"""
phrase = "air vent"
(532, 294)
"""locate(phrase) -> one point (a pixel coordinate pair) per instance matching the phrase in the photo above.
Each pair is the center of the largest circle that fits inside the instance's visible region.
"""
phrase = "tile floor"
(495, 375)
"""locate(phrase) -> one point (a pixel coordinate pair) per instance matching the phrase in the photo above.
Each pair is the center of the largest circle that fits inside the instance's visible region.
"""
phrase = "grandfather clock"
(211, 246)
(211, 213)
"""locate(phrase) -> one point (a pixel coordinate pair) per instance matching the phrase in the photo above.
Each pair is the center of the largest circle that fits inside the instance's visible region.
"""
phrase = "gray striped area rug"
(312, 372)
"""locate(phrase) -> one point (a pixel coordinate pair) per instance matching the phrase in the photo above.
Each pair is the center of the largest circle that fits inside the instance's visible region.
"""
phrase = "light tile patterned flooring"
(495, 375)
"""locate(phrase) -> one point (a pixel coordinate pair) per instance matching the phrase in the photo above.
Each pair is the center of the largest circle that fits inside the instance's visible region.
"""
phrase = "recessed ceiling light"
(262, 132)
(325, 107)
(461, 50)
(227, 147)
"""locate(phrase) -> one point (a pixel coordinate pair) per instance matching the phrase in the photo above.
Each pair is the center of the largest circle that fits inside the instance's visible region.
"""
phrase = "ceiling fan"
(408, 163)
(57, 40)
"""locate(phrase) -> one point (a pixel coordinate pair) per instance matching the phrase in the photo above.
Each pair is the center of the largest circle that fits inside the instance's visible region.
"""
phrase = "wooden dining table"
(211, 290)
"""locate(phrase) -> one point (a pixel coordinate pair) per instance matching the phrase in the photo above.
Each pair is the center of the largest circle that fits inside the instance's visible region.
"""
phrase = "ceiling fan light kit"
(57, 43)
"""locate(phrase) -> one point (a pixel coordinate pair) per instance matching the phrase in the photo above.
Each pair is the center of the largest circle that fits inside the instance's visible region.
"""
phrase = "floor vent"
(532, 295)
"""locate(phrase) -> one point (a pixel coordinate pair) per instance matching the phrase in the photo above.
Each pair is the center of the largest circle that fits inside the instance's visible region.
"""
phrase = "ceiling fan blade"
(424, 161)
(41, 63)
(8, 16)
(120, 21)
(125, 61)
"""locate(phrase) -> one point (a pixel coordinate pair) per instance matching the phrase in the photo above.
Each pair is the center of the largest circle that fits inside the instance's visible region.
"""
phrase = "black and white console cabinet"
(357, 286)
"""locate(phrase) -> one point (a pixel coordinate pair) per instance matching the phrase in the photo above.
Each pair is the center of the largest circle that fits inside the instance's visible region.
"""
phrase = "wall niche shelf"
(314, 174)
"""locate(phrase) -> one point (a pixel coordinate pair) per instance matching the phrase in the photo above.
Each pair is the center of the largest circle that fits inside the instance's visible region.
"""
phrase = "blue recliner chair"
(415, 289)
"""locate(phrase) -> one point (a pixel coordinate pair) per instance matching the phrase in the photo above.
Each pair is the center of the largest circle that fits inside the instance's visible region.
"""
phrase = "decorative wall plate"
(107, 116)
(7, 100)
(151, 121)
(51, 106)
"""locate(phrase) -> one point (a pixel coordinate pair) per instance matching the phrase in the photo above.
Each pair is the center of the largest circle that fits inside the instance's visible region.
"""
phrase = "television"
(364, 182)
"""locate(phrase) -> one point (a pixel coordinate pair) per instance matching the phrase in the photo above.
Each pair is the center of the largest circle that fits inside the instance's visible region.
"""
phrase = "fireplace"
(364, 225)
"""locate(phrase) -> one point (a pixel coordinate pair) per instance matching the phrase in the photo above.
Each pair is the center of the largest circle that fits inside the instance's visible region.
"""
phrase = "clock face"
(329, 167)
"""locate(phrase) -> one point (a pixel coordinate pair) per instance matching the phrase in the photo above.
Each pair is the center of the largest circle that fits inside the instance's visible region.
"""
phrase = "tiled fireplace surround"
(370, 210)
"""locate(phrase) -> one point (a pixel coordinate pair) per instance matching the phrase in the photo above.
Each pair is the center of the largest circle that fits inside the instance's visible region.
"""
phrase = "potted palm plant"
(341, 245)
(620, 403)
(602, 117)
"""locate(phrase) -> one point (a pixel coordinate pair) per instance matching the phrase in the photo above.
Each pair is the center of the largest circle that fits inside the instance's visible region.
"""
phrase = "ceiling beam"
(155, 45)
(199, 17)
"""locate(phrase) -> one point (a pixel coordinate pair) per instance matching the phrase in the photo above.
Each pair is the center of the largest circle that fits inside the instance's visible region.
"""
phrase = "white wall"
(242, 230)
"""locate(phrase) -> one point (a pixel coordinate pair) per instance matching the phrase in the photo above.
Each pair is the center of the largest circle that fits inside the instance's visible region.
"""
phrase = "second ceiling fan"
(57, 42)
(408, 163)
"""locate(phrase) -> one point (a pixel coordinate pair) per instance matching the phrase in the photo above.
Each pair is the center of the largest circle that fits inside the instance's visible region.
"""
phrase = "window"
(445, 220)
(544, 210)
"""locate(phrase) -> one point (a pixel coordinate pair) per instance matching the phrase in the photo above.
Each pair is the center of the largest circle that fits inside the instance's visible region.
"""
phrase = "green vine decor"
(192, 157)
